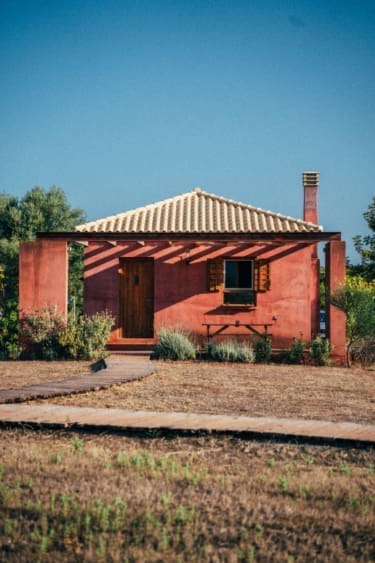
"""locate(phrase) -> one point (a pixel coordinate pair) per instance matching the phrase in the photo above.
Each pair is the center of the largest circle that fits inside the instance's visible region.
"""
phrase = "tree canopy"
(365, 246)
(39, 210)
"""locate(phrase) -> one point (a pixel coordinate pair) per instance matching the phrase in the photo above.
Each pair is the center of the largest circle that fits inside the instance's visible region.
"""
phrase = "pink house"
(200, 262)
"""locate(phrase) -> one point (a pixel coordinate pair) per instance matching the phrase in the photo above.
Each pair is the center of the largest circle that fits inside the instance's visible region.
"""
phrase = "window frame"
(238, 291)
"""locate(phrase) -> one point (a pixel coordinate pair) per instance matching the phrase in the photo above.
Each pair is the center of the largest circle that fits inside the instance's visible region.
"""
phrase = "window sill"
(238, 306)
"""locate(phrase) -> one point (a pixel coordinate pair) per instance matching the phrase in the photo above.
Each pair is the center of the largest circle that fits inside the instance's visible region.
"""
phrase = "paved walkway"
(128, 368)
(119, 419)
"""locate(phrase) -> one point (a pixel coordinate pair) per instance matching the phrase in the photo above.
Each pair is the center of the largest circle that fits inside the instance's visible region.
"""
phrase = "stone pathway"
(119, 419)
(118, 370)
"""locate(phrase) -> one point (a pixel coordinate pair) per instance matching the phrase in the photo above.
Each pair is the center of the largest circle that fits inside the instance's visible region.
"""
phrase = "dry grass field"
(17, 374)
(337, 394)
(67, 496)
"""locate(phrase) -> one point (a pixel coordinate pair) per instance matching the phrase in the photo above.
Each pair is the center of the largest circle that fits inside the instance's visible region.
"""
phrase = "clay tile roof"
(198, 212)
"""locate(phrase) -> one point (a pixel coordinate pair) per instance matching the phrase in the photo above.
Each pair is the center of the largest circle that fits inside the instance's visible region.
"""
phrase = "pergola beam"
(275, 238)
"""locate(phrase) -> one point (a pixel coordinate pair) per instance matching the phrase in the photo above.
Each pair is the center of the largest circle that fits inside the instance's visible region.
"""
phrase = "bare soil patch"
(18, 374)
(336, 394)
(87, 497)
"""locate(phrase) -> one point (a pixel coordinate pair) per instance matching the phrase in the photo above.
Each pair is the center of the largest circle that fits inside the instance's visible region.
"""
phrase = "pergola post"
(335, 319)
(43, 276)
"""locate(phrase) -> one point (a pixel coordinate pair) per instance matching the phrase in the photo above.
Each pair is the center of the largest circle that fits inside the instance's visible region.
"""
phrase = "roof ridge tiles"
(247, 206)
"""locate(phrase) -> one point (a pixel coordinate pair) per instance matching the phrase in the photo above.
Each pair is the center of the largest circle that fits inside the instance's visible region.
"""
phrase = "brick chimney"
(310, 196)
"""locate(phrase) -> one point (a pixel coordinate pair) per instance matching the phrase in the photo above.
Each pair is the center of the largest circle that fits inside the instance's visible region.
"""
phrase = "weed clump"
(173, 344)
(231, 351)
(294, 354)
(263, 349)
(320, 351)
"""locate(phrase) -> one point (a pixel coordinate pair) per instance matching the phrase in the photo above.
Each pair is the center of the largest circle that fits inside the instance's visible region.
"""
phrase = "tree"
(365, 246)
(39, 210)
(356, 298)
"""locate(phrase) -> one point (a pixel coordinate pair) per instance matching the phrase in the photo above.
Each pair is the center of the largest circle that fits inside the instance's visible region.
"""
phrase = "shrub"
(320, 351)
(294, 354)
(86, 337)
(13, 351)
(263, 349)
(231, 351)
(356, 298)
(41, 329)
(173, 344)
(9, 345)
(51, 338)
(363, 351)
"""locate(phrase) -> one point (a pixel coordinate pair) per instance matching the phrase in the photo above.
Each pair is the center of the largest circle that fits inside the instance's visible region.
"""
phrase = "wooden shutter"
(262, 276)
(215, 274)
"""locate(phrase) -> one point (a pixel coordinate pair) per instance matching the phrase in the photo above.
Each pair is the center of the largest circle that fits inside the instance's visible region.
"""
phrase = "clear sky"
(123, 103)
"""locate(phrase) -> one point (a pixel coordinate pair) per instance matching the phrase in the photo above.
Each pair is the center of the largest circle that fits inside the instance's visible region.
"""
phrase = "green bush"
(173, 344)
(50, 338)
(294, 354)
(263, 349)
(86, 337)
(13, 351)
(356, 298)
(231, 351)
(9, 345)
(41, 330)
(320, 351)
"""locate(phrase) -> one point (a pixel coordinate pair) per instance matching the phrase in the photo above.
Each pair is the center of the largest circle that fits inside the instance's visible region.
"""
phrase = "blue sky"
(122, 103)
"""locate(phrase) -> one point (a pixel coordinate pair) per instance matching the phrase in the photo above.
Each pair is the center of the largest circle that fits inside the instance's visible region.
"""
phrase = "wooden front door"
(137, 298)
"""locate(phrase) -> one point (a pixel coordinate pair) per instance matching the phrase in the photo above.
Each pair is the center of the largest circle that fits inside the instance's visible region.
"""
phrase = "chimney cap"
(310, 178)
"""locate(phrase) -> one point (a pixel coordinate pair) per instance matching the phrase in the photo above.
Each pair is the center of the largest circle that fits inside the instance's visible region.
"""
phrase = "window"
(238, 274)
(239, 282)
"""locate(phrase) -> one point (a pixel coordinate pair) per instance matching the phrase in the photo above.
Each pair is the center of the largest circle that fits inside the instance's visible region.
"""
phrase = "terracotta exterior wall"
(180, 293)
(181, 296)
(43, 275)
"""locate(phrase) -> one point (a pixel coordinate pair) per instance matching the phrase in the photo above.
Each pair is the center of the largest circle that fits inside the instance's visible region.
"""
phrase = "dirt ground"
(18, 374)
(337, 394)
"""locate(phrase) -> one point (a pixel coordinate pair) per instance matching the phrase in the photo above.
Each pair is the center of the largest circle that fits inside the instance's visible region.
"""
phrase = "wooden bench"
(219, 328)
